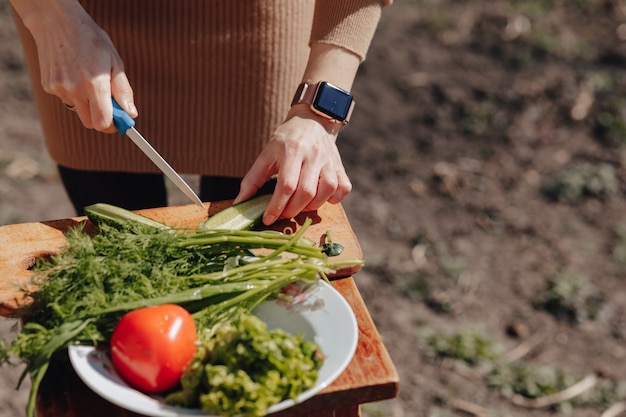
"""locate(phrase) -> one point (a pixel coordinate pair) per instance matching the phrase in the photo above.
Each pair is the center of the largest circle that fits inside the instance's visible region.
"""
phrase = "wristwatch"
(326, 100)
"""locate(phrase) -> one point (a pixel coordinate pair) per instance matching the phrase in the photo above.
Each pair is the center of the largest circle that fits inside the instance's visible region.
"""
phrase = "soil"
(488, 161)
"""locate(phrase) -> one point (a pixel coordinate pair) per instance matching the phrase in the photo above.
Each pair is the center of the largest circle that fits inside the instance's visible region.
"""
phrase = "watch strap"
(305, 94)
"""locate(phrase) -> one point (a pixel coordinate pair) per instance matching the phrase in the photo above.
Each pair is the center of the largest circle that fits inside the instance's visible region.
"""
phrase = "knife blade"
(126, 126)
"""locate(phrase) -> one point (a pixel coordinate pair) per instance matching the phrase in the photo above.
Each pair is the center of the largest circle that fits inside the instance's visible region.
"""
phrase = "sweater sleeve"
(349, 24)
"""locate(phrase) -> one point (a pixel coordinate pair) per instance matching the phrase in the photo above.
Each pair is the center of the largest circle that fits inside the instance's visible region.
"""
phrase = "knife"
(126, 126)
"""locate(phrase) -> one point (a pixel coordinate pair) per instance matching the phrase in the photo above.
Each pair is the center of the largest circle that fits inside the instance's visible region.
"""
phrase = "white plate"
(324, 317)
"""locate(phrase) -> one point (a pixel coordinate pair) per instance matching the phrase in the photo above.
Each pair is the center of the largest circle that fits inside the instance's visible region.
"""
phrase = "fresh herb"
(270, 366)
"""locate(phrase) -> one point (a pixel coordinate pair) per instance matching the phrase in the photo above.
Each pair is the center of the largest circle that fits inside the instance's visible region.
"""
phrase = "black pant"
(134, 191)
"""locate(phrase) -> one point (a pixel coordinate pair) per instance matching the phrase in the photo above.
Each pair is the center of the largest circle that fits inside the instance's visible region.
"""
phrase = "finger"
(76, 94)
(75, 105)
(73, 99)
(84, 114)
(123, 93)
(308, 188)
(254, 179)
(344, 187)
(100, 105)
(325, 190)
(286, 184)
(83, 110)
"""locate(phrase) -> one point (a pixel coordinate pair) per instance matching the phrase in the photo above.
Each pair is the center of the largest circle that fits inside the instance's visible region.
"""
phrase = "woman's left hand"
(303, 155)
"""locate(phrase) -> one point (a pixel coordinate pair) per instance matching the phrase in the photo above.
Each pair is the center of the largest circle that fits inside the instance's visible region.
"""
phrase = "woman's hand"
(302, 152)
(78, 61)
(303, 155)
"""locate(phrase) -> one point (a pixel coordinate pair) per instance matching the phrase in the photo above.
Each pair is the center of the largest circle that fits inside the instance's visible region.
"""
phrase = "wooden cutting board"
(21, 244)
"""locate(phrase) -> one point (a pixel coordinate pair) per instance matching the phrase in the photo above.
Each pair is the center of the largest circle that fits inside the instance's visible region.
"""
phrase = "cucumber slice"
(120, 218)
(242, 216)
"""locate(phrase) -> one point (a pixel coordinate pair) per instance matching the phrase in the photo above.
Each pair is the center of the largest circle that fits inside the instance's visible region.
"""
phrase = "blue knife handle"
(122, 120)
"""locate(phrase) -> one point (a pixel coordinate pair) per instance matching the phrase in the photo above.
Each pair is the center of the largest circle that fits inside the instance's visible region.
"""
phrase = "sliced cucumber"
(242, 216)
(102, 213)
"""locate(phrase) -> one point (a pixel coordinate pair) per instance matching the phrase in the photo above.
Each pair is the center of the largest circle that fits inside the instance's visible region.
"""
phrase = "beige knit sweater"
(211, 79)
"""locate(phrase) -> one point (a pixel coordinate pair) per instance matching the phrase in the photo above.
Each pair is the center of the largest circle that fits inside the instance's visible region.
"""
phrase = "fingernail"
(131, 108)
(267, 220)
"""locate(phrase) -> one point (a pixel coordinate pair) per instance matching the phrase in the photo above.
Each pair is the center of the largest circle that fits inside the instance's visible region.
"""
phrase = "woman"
(214, 83)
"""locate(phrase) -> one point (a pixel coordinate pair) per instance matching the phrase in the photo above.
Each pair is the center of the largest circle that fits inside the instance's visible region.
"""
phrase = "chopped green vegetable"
(242, 216)
(102, 213)
(269, 366)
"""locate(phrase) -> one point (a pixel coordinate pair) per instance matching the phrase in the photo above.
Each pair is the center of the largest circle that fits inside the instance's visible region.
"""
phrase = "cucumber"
(243, 216)
(120, 218)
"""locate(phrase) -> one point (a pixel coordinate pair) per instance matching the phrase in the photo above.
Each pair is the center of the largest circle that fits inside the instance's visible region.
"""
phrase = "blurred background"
(487, 154)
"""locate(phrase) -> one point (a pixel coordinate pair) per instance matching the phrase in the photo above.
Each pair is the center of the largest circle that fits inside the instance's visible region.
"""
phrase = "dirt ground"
(488, 162)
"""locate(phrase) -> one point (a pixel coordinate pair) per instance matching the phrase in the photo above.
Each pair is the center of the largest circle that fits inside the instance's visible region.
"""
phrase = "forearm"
(340, 37)
(333, 64)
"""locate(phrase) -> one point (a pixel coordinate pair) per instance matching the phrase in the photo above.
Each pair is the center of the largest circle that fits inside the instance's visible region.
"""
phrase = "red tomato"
(151, 346)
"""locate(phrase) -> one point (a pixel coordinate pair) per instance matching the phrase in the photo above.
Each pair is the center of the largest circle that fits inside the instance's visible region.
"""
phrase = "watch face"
(332, 101)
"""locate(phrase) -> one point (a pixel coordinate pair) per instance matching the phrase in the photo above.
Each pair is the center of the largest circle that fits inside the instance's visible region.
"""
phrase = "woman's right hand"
(78, 61)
